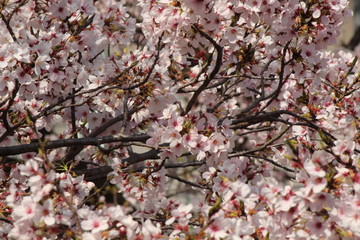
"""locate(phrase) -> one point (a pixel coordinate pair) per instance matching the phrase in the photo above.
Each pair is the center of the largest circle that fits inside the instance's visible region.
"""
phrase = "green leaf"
(216, 207)
(325, 138)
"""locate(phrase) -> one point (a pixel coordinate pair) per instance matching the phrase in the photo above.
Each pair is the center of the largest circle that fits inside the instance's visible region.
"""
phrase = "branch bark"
(212, 74)
(93, 141)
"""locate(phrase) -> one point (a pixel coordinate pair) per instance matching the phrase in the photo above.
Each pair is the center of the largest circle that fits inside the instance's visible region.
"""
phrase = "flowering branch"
(213, 73)
(92, 141)
(238, 96)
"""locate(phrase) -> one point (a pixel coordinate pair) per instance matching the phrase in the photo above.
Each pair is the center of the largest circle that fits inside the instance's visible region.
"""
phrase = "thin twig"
(213, 73)
(272, 162)
(186, 181)
(93, 141)
(264, 146)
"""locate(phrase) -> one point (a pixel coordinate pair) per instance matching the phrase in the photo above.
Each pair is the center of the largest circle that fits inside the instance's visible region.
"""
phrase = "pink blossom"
(150, 231)
(318, 228)
(217, 229)
(190, 139)
(4, 59)
(314, 169)
(343, 147)
(176, 122)
(216, 143)
(195, 119)
(198, 6)
(95, 120)
(181, 214)
(28, 210)
(95, 224)
(317, 183)
(59, 9)
(167, 153)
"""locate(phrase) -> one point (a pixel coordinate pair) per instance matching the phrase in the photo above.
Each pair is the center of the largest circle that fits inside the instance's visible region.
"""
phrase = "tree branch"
(212, 74)
(33, 147)
(186, 181)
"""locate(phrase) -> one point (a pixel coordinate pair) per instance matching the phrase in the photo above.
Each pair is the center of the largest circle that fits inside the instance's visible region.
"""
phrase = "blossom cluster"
(177, 119)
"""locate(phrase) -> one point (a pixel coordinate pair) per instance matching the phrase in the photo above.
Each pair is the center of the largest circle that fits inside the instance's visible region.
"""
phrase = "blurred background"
(350, 33)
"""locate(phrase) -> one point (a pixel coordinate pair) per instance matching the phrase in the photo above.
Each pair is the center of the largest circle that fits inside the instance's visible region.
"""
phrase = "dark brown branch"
(107, 182)
(272, 162)
(73, 112)
(196, 79)
(186, 181)
(6, 220)
(274, 116)
(7, 23)
(157, 56)
(262, 129)
(4, 117)
(264, 117)
(84, 25)
(16, 9)
(169, 165)
(76, 149)
(102, 172)
(213, 73)
(262, 147)
(355, 40)
(61, 100)
(33, 147)
(276, 92)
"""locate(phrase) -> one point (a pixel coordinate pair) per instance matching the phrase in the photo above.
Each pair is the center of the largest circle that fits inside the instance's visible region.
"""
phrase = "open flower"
(95, 223)
(181, 214)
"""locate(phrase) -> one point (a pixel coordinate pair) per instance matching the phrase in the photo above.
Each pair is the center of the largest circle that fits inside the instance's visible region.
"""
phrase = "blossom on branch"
(179, 119)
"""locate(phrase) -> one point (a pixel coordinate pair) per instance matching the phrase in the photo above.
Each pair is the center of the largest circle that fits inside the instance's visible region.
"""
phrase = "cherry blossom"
(181, 214)
(95, 224)
(183, 119)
